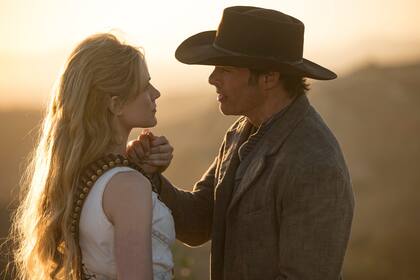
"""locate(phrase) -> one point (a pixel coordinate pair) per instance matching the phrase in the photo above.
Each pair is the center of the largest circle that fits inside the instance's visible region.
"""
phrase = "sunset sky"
(37, 35)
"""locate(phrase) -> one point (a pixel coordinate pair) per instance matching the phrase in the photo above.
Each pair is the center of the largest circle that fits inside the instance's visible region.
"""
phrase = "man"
(277, 201)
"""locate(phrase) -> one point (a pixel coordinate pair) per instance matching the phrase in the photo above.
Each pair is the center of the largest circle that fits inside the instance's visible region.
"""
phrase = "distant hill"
(374, 114)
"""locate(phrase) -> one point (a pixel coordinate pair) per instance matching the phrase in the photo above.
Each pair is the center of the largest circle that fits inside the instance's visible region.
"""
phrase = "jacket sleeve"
(314, 218)
(192, 211)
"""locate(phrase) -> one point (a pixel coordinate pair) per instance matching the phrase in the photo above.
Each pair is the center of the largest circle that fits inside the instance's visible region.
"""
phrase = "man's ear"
(269, 80)
(115, 105)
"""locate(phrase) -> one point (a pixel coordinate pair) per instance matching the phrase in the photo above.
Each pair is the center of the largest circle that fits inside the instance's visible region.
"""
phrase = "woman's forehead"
(144, 71)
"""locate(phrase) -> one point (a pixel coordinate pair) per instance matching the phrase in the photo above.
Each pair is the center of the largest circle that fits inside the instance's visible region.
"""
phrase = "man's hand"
(152, 153)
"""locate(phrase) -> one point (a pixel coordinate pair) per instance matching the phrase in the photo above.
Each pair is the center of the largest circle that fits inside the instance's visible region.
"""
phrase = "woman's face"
(141, 111)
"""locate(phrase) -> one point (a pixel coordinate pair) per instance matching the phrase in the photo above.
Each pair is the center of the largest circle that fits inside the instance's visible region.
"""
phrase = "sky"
(37, 36)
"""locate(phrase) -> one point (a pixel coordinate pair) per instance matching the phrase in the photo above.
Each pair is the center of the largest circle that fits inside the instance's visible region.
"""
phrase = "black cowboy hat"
(255, 38)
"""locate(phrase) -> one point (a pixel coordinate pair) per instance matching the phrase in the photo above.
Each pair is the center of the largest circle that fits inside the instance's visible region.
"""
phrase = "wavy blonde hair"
(77, 129)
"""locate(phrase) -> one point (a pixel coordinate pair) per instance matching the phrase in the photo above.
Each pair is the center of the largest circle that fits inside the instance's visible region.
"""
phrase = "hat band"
(241, 54)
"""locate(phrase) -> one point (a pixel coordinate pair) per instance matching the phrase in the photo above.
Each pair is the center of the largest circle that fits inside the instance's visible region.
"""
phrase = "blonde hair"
(76, 130)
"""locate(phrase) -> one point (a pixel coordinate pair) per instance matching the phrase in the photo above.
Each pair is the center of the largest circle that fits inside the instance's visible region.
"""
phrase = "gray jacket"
(290, 215)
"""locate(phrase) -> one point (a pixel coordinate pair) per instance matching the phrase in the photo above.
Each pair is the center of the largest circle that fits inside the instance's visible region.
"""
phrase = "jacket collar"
(270, 143)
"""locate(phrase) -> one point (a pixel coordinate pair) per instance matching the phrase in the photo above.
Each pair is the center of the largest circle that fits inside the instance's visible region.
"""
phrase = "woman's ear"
(115, 105)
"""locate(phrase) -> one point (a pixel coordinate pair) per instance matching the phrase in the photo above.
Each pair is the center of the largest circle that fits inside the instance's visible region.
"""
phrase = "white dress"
(96, 234)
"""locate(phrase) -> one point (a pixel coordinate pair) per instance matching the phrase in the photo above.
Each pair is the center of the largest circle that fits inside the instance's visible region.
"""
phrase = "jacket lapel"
(223, 194)
(230, 157)
(228, 168)
(270, 143)
(254, 169)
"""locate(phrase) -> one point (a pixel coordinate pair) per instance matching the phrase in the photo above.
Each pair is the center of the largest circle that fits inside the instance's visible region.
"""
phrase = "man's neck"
(269, 108)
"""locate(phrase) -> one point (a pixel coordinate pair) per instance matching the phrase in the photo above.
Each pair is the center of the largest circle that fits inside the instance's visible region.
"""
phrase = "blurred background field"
(373, 107)
(374, 112)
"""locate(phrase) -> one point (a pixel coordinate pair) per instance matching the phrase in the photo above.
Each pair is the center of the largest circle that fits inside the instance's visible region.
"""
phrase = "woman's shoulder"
(126, 189)
(128, 177)
(129, 181)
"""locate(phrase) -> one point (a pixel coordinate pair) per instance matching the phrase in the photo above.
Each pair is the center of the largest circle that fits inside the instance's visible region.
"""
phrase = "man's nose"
(212, 78)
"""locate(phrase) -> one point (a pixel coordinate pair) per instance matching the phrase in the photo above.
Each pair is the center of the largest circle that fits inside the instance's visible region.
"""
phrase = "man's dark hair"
(294, 85)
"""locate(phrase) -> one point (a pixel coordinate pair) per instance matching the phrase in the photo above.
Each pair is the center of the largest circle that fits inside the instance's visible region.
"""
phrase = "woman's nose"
(156, 93)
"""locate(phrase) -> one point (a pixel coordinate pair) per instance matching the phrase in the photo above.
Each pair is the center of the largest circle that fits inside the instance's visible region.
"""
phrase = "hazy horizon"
(38, 36)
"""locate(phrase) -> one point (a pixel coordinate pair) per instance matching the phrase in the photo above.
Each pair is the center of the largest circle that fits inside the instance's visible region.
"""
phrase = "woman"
(117, 229)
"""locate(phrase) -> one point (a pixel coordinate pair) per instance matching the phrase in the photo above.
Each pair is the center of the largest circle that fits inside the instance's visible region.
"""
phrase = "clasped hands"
(152, 153)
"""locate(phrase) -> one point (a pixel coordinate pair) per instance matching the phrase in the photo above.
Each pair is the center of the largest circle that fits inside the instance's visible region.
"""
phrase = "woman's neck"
(120, 147)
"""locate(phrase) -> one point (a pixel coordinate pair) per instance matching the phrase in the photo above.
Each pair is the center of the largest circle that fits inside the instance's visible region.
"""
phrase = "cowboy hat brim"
(199, 49)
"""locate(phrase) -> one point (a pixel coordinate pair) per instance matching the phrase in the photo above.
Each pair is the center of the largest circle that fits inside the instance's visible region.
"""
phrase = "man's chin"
(225, 111)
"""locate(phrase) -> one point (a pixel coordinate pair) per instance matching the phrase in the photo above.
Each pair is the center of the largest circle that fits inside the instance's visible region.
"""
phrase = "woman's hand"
(152, 153)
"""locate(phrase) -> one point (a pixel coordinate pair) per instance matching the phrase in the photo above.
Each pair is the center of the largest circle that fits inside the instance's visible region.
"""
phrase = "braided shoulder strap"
(87, 179)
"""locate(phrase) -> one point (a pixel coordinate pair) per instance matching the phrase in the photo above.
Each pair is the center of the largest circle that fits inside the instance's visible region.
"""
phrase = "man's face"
(235, 94)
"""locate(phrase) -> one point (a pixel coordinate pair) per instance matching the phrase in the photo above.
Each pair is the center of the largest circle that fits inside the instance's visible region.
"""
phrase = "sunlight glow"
(38, 35)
